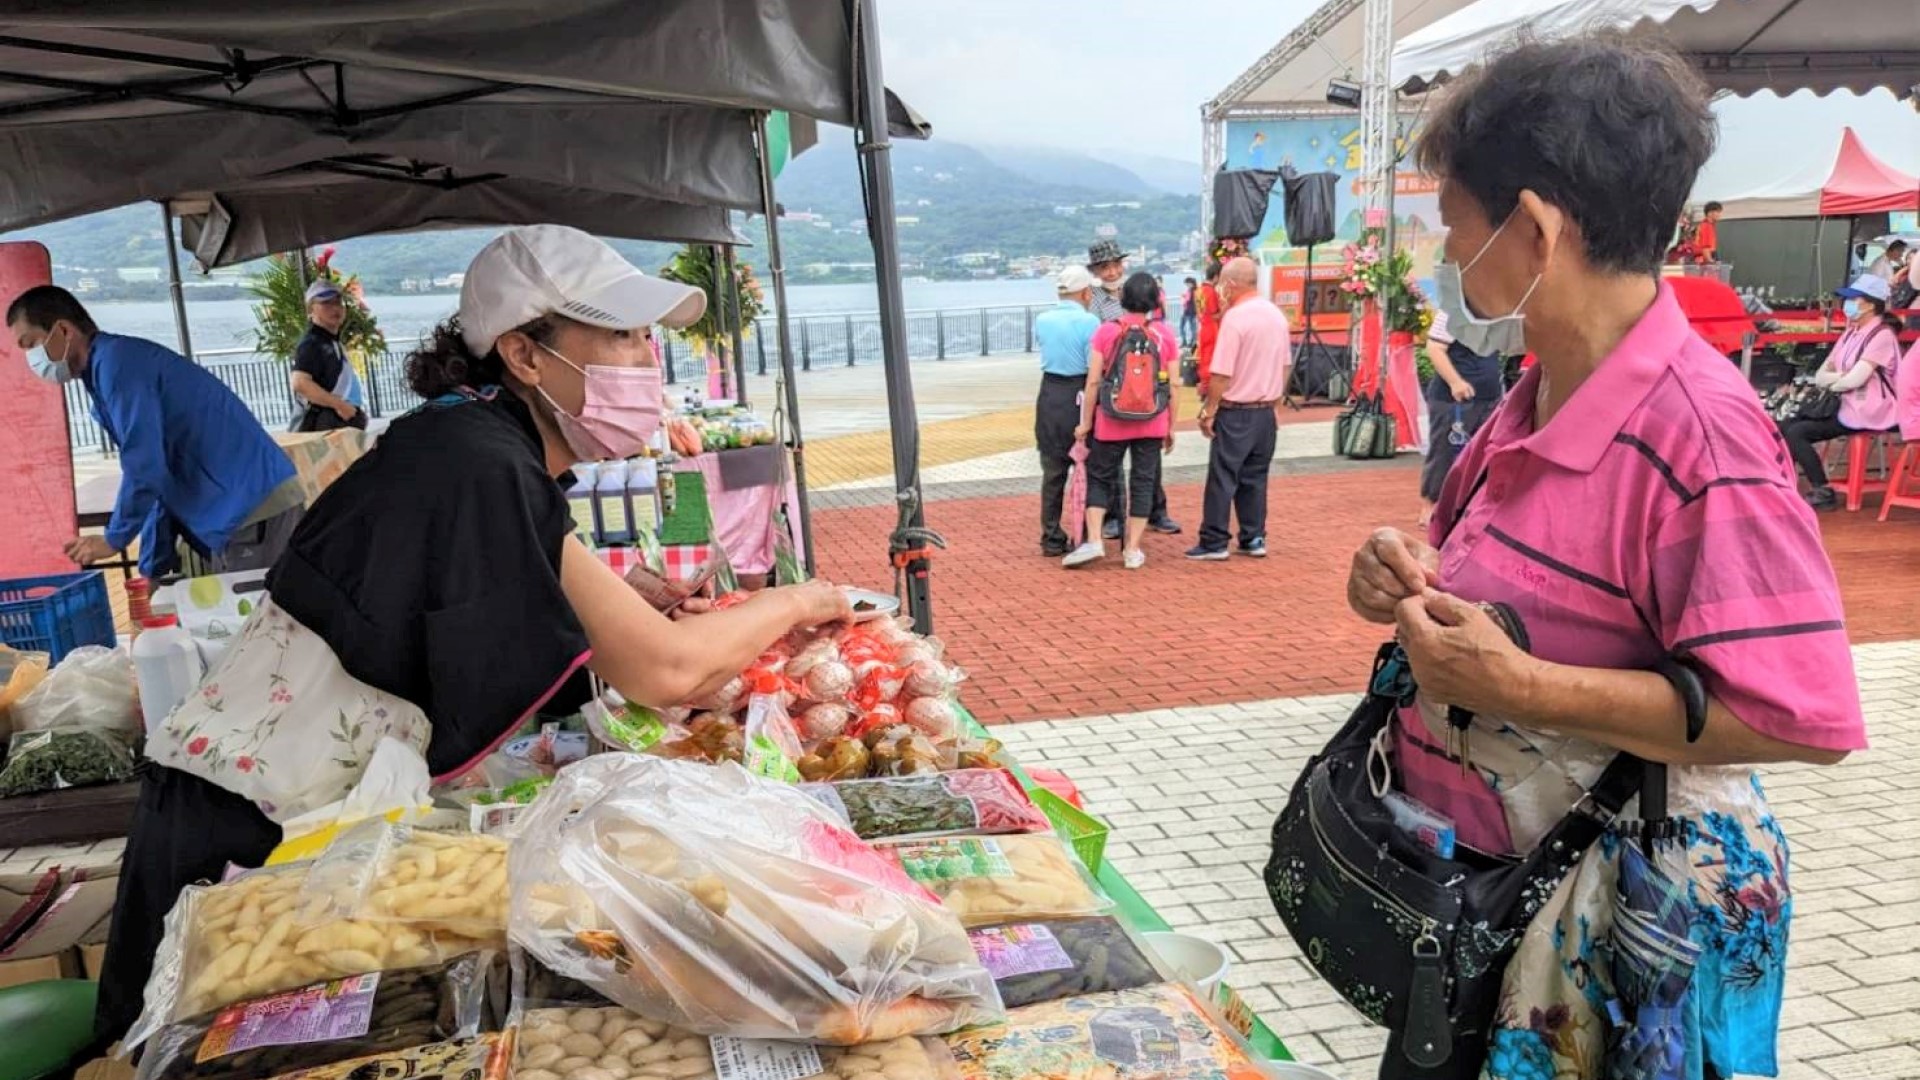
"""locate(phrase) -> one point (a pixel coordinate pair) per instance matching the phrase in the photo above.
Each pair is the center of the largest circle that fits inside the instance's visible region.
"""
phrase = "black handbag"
(1416, 942)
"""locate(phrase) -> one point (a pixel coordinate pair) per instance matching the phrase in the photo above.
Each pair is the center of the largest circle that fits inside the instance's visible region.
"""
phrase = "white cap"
(536, 270)
(1074, 279)
(1868, 285)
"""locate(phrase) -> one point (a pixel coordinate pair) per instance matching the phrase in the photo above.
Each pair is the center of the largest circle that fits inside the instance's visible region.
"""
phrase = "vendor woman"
(443, 567)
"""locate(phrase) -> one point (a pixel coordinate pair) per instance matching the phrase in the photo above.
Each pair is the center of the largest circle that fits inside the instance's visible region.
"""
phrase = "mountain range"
(952, 199)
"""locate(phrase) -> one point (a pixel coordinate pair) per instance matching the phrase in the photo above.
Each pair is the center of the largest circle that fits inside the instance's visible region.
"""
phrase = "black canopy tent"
(121, 101)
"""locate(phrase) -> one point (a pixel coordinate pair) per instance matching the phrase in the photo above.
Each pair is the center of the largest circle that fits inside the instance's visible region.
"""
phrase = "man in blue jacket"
(195, 464)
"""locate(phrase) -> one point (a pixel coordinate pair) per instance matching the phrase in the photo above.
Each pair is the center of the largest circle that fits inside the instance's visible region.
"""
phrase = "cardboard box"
(319, 457)
(92, 959)
(60, 965)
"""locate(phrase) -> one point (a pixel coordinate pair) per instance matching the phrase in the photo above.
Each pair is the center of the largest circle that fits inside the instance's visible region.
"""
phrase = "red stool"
(1903, 485)
(1860, 448)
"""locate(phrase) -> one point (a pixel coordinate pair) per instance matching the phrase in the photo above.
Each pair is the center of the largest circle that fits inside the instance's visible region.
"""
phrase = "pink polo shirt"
(1253, 350)
(1655, 514)
(1869, 407)
(1907, 383)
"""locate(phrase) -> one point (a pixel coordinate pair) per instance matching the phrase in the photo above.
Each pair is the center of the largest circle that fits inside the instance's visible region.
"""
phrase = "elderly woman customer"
(1860, 370)
(1134, 337)
(1631, 504)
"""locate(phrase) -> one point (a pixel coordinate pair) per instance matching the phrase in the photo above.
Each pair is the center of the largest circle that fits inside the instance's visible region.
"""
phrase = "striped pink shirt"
(1657, 514)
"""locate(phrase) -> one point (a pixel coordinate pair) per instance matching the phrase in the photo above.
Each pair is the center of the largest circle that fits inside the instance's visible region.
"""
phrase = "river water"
(228, 324)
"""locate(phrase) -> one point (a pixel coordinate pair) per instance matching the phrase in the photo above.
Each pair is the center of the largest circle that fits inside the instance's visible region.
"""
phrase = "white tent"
(1741, 46)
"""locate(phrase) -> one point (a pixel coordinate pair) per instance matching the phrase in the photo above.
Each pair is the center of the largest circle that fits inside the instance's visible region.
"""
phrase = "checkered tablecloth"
(683, 561)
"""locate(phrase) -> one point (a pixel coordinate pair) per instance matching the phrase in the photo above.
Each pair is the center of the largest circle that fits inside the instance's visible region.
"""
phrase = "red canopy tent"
(1863, 184)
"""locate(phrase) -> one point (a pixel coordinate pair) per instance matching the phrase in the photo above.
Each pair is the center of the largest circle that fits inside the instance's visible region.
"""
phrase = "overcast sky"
(1113, 74)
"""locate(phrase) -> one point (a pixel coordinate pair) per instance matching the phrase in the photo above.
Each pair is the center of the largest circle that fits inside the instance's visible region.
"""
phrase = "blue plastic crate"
(56, 614)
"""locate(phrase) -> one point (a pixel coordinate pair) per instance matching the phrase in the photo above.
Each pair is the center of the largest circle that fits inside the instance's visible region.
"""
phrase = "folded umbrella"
(1652, 957)
(1074, 511)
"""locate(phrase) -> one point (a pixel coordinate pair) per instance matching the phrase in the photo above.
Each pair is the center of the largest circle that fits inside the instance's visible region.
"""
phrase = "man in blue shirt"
(195, 465)
(1065, 336)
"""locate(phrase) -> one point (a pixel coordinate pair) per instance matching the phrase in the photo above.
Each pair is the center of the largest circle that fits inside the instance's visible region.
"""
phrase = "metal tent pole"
(777, 269)
(739, 333)
(174, 289)
(876, 158)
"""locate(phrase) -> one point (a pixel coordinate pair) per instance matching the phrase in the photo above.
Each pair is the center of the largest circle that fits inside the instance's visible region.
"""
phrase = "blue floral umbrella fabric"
(1652, 956)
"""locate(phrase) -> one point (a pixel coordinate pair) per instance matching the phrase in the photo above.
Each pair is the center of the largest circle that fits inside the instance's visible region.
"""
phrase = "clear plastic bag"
(1041, 961)
(57, 758)
(383, 872)
(329, 1022)
(728, 904)
(263, 932)
(20, 672)
(92, 686)
(966, 801)
(483, 1057)
(986, 879)
(1153, 1033)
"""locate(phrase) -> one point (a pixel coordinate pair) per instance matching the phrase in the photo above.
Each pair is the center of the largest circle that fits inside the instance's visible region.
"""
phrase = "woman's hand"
(817, 603)
(1389, 568)
(1460, 656)
(1085, 429)
(1167, 447)
(1461, 389)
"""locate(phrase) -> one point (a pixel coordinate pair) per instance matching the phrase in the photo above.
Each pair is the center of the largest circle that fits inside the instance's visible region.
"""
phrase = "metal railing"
(826, 340)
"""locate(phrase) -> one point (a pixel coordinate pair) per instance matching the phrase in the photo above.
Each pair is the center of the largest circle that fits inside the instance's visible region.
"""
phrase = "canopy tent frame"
(828, 68)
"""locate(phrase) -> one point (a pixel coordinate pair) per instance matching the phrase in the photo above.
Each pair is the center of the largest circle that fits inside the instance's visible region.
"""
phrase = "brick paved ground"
(1040, 641)
(1191, 794)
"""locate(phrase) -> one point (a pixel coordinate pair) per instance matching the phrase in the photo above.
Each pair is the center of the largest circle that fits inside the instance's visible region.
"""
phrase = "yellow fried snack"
(992, 879)
(611, 1043)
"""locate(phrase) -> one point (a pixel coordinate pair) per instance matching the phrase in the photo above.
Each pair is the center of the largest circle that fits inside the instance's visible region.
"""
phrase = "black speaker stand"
(1304, 344)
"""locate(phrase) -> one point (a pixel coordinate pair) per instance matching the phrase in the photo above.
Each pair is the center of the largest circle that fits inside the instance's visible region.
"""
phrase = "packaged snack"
(264, 931)
(1153, 1033)
(380, 871)
(483, 1057)
(66, 757)
(327, 1022)
(1034, 962)
(988, 879)
(898, 750)
(841, 757)
(729, 904)
(967, 801)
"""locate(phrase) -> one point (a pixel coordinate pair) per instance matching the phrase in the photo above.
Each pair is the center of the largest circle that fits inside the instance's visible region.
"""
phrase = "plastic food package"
(1152, 1033)
(381, 872)
(991, 879)
(708, 737)
(92, 686)
(263, 932)
(841, 757)
(1035, 962)
(20, 672)
(327, 1022)
(969, 801)
(728, 904)
(49, 760)
(483, 1057)
(899, 750)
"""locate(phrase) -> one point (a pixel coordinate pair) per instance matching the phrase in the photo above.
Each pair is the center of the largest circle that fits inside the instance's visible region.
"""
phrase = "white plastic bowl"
(1194, 959)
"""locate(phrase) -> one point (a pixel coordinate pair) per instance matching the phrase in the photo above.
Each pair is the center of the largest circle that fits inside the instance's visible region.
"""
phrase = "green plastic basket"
(1087, 834)
(692, 520)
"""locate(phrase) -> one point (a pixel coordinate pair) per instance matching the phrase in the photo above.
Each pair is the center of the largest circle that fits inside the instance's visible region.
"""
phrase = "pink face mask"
(620, 415)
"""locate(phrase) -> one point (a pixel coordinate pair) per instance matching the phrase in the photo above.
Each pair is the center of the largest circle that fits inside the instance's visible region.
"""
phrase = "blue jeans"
(1189, 329)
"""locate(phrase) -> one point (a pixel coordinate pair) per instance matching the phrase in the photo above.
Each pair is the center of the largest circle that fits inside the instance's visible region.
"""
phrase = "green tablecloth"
(1140, 915)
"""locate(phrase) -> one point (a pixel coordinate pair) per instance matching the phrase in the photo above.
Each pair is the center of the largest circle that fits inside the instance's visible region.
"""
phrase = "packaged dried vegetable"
(966, 801)
(1153, 1033)
(586, 1042)
(57, 758)
(328, 1022)
(985, 879)
(729, 904)
(266, 931)
(1034, 962)
(483, 1057)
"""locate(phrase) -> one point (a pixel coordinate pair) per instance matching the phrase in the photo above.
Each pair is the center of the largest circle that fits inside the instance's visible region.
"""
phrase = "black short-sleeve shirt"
(317, 354)
(432, 567)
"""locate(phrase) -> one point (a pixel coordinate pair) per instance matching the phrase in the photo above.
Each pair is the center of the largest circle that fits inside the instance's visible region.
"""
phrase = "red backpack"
(1135, 386)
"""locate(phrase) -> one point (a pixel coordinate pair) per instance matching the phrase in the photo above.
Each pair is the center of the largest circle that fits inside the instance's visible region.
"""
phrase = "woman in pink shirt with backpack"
(1128, 410)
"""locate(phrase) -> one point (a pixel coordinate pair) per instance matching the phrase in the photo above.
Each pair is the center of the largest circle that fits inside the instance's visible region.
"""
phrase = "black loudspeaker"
(1309, 207)
(1240, 198)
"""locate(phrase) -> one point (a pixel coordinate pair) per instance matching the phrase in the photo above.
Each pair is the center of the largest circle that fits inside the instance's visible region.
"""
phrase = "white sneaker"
(1084, 554)
(1134, 560)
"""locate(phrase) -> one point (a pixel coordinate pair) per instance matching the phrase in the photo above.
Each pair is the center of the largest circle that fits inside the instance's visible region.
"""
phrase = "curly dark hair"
(443, 363)
(1609, 129)
(1141, 294)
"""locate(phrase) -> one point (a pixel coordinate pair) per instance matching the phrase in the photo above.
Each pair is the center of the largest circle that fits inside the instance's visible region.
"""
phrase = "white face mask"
(45, 367)
(1501, 336)
(1852, 308)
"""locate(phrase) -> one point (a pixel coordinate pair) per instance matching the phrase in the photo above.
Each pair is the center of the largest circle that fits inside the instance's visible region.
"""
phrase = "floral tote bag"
(280, 722)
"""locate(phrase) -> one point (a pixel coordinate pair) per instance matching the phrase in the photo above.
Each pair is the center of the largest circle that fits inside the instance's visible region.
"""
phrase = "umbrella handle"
(1656, 825)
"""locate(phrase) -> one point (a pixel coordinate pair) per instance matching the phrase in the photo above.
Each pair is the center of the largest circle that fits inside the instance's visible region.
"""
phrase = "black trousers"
(1055, 415)
(1106, 488)
(1158, 499)
(1484, 375)
(1237, 476)
(185, 830)
(1801, 435)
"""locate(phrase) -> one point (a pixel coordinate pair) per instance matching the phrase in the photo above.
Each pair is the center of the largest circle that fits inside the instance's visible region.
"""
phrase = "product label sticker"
(636, 726)
(1007, 951)
(341, 1009)
(763, 1059)
(953, 860)
(765, 758)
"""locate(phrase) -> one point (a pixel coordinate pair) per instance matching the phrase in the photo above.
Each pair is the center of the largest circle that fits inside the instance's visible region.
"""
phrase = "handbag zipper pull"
(1429, 1034)
(1460, 726)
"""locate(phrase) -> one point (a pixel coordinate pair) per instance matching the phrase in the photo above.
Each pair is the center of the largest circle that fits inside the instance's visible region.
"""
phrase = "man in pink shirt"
(1248, 378)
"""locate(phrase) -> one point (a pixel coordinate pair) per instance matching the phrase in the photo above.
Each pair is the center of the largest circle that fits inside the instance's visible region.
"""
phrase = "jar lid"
(159, 622)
